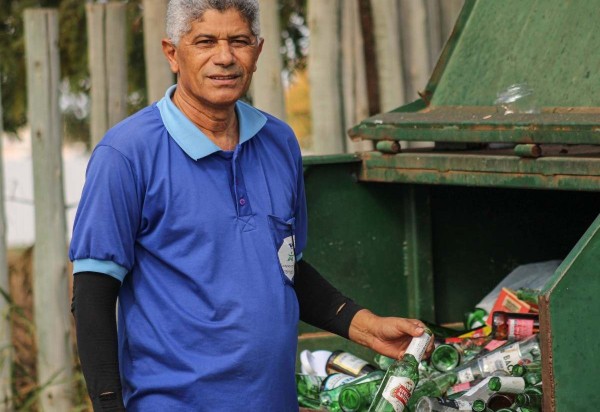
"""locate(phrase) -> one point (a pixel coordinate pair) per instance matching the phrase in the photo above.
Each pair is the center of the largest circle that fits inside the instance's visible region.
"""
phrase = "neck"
(219, 124)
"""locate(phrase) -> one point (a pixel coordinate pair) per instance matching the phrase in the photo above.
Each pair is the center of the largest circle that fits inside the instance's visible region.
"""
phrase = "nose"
(223, 55)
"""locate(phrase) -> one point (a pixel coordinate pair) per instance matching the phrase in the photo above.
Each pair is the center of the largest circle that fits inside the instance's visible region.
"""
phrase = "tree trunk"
(5, 335)
(108, 66)
(51, 296)
(267, 88)
(324, 71)
(158, 73)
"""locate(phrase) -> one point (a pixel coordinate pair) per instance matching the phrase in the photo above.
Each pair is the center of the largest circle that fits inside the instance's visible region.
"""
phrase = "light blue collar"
(195, 143)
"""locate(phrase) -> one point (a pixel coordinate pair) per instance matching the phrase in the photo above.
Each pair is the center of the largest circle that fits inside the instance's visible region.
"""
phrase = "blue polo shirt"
(204, 243)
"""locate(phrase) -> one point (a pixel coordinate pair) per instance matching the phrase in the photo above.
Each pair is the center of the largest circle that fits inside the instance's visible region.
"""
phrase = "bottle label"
(504, 359)
(511, 384)
(335, 380)
(520, 328)
(494, 344)
(457, 404)
(350, 363)
(465, 375)
(398, 391)
(418, 345)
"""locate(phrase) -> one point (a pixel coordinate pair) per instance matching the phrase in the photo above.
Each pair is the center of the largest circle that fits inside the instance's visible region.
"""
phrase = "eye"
(240, 42)
(206, 43)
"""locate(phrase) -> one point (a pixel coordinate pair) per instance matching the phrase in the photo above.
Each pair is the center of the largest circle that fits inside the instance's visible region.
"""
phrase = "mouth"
(224, 77)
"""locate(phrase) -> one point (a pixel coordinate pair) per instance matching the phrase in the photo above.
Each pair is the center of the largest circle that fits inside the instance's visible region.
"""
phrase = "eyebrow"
(212, 36)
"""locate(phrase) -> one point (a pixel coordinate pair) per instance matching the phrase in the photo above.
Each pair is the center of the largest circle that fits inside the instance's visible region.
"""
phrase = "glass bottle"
(445, 357)
(347, 363)
(308, 385)
(476, 318)
(530, 400)
(507, 384)
(500, 400)
(330, 394)
(479, 406)
(402, 377)
(382, 361)
(334, 380)
(309, 402)
(433, 387)
(514, 326)
(502, 358)
(522, 369)
(355, 397)
(430, 404)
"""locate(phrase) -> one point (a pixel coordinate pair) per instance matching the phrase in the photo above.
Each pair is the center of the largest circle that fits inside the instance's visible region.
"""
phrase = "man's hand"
(388, 336)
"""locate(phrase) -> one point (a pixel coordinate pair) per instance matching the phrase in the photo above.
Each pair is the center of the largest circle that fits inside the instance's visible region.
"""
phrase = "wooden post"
(389, 53)
(267, 88)
(450, 9)
(324, 74)
(158, 73)
(108, 66)
(355, 96)
(50, 279)
(5, 335)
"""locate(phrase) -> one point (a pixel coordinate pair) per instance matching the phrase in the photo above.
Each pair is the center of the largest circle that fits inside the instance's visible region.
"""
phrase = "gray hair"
(182, 13)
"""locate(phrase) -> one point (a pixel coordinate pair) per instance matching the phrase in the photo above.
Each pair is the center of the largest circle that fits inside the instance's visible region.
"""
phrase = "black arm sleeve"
(321, 304)
(93, 306)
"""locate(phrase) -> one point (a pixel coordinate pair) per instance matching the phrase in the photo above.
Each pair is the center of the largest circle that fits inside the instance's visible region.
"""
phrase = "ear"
(170, 52)
(259, 48)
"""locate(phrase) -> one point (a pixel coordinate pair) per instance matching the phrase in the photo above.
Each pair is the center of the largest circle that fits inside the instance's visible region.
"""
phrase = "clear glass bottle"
(502, 358)
(514, 326)
(430, 404)
(402, 377)
(433, 387)
(345, 362)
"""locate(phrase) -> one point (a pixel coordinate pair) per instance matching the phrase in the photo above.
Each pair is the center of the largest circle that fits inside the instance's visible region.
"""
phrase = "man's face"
(215, 61)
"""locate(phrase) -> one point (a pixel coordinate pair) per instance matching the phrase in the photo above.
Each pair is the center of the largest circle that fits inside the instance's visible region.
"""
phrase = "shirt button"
(242, 201)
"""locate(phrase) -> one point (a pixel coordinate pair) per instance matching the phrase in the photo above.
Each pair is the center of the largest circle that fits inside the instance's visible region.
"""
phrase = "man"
(193, 214)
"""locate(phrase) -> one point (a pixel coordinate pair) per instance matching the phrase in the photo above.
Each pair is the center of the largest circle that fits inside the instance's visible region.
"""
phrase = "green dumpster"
(428, 232)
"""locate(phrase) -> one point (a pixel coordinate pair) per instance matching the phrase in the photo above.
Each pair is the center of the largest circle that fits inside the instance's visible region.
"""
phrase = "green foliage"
(74, 55)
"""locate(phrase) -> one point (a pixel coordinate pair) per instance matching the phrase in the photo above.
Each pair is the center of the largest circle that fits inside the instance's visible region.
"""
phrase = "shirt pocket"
(283, 236)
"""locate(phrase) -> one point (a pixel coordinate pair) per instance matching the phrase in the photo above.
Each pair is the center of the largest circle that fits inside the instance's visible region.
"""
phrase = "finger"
(412, 327)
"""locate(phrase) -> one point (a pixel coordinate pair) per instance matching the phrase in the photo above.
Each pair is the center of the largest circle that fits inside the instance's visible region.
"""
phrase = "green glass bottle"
(522, 369)
(309, 402)
(329, 397)
(476, 318)
(530, 400)
(382, 361)
(433, 387)
(507, 384)
(479, 406)
(358, 397)
(445, 357)
(308, 385)
(536, 389)
(402, 377)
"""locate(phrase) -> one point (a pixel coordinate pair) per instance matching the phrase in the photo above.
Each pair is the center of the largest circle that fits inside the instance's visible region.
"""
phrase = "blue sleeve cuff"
(101, 266)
